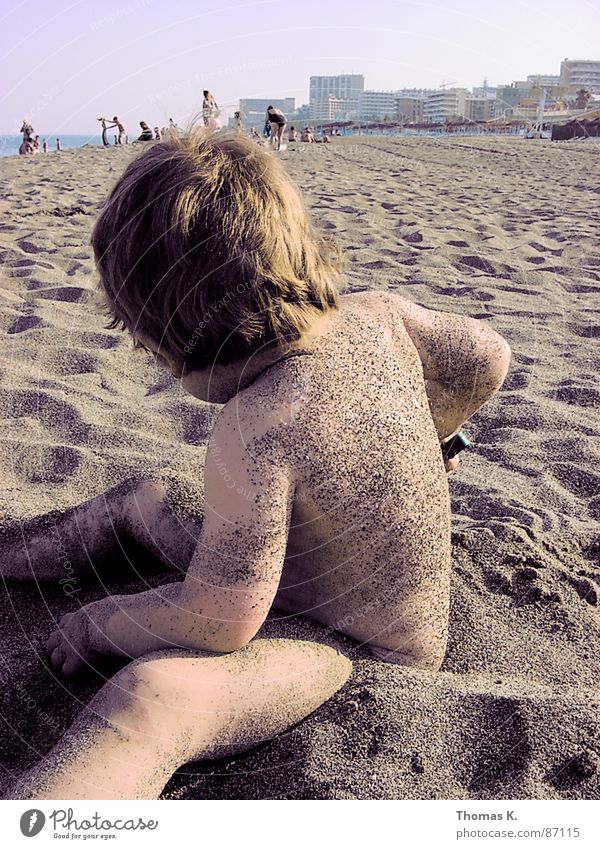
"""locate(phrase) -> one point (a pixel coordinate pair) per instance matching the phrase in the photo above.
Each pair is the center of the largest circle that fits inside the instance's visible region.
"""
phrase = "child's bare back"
(368, 550)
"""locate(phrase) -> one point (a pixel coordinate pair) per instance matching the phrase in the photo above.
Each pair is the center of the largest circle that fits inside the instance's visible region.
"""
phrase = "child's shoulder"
(378, 301)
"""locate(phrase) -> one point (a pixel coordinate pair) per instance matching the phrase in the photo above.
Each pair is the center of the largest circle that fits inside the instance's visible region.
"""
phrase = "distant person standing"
(121, 128)
(170, 132)
(27, 130)
(45, 146)
(210, 110)
(58, 144)
(105, 127)
(278, 121)
(237, 123)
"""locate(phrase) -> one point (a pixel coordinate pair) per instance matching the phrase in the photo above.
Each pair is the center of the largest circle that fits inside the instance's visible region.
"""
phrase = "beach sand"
(501, 229)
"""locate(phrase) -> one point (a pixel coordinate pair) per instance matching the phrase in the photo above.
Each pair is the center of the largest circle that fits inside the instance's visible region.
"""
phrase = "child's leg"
(172, 707)
(142, 509)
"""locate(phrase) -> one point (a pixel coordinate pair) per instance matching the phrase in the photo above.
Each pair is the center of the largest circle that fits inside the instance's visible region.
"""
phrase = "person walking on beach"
(278, 122)
(58, 144)
(210, 110)
(121, 128)
(45, 146)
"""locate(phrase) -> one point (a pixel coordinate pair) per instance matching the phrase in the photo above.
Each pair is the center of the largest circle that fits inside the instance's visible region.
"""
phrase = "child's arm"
(234, 573)
(464, 362)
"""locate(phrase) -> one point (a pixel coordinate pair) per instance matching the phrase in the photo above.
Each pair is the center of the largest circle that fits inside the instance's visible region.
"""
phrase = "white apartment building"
(581, 73)
(332, 109)
(444, 104)
(346, 87)
(409, 109)
(479, 109)
(541, 80)
(376, 105)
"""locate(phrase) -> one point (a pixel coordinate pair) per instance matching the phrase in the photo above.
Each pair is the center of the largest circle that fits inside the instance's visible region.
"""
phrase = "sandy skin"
(339, 503)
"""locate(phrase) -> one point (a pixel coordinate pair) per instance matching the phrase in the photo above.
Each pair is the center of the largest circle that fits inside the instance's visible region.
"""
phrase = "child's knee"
(134, 699)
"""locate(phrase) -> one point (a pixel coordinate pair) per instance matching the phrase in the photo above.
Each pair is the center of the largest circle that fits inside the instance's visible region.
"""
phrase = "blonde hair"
(205, 246)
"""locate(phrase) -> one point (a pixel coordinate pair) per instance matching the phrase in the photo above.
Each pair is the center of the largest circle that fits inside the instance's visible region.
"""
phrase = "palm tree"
(581, 98)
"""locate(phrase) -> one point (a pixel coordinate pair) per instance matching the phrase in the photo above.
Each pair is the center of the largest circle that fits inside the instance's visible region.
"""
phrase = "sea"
(9, 145)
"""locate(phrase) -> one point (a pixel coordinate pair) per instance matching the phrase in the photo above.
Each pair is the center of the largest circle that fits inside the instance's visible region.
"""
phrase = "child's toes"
(71, 666)
(53, 641)
(58, 657)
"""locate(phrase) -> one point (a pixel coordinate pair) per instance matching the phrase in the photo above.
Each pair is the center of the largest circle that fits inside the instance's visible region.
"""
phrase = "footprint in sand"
(378, 263)
(478, 263)
(521, 290)
(25, 322)
(75, 362)
(45, 464)
(544, 249)
(577, 396)
(517, 380)
(578, 481)
(33, 248)
(586, 331)
(585, 589)
(58, 416)
(71, 294)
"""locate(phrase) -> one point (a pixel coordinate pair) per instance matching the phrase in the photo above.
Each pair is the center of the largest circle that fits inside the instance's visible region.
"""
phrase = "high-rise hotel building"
(334, 97)
(581, 73)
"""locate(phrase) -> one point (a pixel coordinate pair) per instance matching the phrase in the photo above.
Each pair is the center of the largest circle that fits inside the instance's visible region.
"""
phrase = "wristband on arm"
(453, 445)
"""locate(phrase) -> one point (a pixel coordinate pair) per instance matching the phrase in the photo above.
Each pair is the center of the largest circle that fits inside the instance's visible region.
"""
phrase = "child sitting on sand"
(335, 504)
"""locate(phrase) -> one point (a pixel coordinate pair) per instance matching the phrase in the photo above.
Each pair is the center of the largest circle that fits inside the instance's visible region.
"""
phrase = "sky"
(66, 62)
